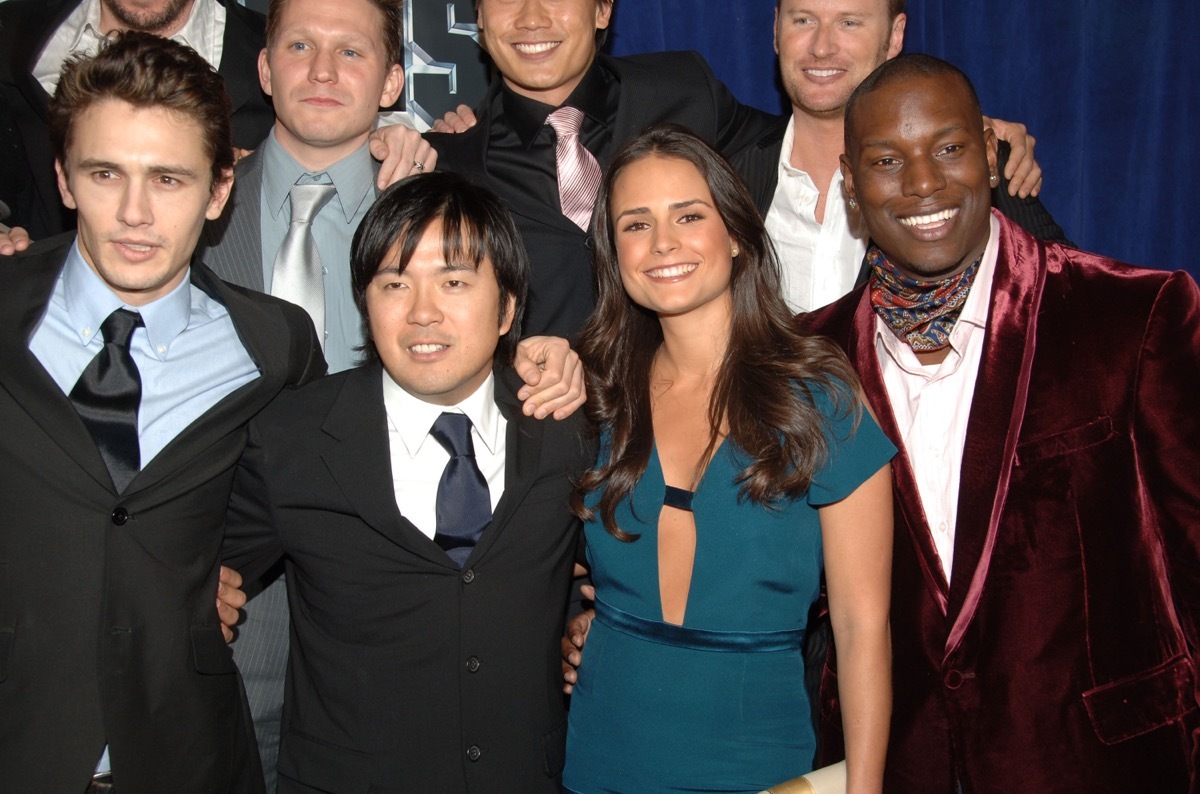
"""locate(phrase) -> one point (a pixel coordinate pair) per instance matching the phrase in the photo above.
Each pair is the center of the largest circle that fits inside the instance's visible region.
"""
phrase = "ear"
(775, 30)
(848, 178)
(604, 10)
(220, 194)
(64, 187)
(393, 84)
(896, 40)
(990, 146)
(506, 318)
(264, 72)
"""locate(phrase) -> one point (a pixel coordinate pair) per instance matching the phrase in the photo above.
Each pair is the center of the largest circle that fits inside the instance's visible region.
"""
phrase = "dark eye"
(691, 217)
(635, 226)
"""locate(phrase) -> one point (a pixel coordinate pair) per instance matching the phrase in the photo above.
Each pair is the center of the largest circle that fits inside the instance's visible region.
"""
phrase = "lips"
(135, 250)
(535, 47)
(929, 221)
(672, 271)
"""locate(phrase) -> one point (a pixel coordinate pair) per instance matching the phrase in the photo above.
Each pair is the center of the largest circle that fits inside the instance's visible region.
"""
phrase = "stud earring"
(734, 252)
(852, 203)
(994, 179)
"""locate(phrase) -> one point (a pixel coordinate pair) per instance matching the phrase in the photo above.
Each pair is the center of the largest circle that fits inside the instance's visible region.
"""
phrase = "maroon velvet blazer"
(1062, 656)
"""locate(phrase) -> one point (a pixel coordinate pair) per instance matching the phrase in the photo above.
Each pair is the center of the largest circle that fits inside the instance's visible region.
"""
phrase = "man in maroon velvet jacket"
(1047, 577)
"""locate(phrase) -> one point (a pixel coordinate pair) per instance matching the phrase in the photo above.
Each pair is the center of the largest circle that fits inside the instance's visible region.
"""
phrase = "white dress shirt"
(418, 459)
(820, 259)
(932, 403)
(80, 33)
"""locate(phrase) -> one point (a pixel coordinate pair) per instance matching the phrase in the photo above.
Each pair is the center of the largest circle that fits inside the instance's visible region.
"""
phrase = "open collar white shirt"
(820, 259)
(418, 459)
(932, 403)
(80, 33)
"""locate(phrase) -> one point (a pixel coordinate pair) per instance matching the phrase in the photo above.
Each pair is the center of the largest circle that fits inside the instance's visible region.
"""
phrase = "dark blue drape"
(1108, 88)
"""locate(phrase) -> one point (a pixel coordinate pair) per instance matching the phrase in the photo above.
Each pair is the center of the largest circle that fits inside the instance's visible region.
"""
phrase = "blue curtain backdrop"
(1108, 88)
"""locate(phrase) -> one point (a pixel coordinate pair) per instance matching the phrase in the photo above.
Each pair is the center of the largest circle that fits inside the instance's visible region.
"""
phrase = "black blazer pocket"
(209, 651)
(310, 764)
(1140, 703)
(7, 636)
(1070, 440)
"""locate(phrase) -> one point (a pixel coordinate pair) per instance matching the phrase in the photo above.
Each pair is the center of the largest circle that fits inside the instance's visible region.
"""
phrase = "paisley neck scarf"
(922, 313)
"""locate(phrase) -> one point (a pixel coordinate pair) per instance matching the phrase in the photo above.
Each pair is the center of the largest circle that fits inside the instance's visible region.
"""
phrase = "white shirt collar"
(411, 418)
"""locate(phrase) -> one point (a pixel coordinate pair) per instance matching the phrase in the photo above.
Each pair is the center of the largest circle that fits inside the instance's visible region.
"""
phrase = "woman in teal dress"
(736, 461)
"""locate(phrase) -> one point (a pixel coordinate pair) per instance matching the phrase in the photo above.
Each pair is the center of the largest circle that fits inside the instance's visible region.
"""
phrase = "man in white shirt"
(1044, 595)
(826, 48)
(423, 519)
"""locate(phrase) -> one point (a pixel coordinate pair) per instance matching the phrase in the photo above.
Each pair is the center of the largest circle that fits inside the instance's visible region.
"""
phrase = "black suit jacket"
(407, 673)
(758, 164)
(27, 182)
(665, 86)
(107, 627)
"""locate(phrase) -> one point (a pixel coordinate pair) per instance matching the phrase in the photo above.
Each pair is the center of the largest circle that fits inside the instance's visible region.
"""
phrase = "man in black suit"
(119, 444)
(425, 618)
(36, 36)
(546, 58)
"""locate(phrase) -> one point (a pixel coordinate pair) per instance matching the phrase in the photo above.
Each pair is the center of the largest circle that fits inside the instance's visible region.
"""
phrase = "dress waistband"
(698, 639)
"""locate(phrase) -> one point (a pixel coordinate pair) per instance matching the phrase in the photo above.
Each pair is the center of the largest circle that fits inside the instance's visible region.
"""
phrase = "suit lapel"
(24, 377)
(864, 357)
(232, 244)
(523, 454)
(264, 331)
(361, 463)
(997, 410)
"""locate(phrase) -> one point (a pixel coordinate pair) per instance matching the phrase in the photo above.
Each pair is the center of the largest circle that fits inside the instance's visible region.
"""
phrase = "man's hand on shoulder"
(402, 152)
(461, 119)
(1023, 173)
(553, 376)
(13, 240)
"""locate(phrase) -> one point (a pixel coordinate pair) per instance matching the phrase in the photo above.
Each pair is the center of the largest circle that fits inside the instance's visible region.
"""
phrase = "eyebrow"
(449, 267)
(174, 170)
(678, 205)
(887, 143)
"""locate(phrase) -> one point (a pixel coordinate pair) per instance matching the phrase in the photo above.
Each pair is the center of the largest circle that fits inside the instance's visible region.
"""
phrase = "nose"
(664, 238)
(923, 177)
(531, 15)
(134, 208)
(423, 310)
(823, 44)
(322, 68)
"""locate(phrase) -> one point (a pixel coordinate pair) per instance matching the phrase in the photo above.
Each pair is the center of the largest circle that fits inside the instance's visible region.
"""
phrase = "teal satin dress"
(717, 704)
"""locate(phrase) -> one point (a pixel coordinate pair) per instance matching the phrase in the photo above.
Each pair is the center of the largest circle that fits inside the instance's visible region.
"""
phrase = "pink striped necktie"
(578, 171)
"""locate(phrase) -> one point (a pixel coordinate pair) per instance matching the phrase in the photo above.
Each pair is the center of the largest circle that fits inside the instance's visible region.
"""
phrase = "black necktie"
(107, 396)
(464, 507)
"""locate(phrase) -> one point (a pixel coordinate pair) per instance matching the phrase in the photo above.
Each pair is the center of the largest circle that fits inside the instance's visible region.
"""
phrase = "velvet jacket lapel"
(997, 408)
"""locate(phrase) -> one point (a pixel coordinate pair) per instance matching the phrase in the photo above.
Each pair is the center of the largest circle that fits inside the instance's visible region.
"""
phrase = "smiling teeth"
(534, 49)
(823, 72)
(928, 220)
(426, 349)
(672, 271)
(135, 247)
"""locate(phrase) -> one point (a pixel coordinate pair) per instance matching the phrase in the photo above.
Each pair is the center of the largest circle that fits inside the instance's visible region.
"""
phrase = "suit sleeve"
(1028, 213)
(308, 361)
(737, 125)
(1167, 438)
(251, 545)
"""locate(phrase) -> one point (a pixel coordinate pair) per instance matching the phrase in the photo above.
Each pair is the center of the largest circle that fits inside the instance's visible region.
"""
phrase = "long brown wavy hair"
(764, 384)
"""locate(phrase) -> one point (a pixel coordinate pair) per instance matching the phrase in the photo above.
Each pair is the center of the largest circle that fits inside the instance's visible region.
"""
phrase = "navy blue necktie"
(107, 396)
(464, 506)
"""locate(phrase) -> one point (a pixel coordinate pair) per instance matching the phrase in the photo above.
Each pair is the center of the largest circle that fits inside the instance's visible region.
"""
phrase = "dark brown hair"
(765, 383)
(393, 26)
(146, 71)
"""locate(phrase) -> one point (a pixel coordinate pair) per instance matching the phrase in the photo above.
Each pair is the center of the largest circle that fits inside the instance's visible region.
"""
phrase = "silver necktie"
(297, 274)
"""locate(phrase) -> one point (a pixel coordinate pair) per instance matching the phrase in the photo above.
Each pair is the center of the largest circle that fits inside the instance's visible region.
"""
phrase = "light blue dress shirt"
(189, 355)
(333, 230)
